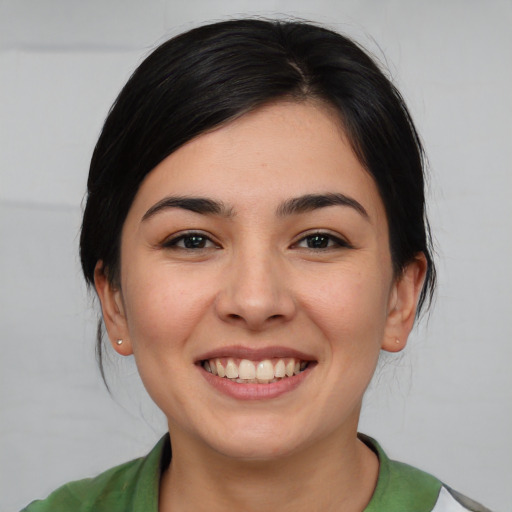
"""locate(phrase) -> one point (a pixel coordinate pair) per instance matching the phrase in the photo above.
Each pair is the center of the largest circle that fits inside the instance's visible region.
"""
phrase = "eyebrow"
(310, 202)
(201, 205)
(294, 206)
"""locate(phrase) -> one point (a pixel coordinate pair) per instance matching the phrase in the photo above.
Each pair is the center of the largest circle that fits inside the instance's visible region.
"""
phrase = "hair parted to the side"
(215, 73)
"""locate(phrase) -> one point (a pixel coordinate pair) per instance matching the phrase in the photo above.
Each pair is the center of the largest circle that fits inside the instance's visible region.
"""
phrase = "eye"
(319, 241)
(190, 241)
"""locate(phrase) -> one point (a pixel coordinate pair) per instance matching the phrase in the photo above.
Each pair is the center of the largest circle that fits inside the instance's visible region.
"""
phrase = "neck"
(332, 474)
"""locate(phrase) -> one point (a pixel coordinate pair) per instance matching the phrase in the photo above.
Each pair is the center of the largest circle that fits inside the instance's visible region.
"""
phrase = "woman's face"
(259, 250)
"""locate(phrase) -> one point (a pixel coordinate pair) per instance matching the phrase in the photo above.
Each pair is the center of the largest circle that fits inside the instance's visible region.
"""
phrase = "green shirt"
(134, 486)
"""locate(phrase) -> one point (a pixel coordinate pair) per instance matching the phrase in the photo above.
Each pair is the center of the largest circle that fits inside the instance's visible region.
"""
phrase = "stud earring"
(119, 342)
(397, 341)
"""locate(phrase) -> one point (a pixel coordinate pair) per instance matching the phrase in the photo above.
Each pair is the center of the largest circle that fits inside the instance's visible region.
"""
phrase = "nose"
(255, 292)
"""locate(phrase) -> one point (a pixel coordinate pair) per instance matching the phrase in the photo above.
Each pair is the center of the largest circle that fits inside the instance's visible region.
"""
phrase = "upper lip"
(255, 354)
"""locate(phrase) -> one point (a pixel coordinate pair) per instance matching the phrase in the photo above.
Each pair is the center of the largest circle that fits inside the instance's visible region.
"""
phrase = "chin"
(257, 443)
(256, 450)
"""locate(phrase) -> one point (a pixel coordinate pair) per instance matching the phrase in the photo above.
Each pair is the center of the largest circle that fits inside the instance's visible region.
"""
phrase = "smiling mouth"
(245, 371)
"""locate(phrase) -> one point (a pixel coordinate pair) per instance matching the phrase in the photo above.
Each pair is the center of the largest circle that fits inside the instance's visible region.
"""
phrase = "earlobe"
(403, 304)
(113, 311)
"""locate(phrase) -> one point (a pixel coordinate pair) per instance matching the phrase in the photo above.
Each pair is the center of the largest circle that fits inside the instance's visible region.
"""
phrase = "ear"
(113, 311)
(403, 304)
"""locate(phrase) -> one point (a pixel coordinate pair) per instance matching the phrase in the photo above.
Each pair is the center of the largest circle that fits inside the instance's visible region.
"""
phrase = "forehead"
(278, 151)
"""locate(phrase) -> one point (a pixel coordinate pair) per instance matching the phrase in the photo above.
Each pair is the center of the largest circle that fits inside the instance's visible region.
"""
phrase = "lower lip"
(254, 391)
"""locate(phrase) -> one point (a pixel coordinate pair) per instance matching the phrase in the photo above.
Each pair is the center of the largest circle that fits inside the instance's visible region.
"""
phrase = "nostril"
(234, 316)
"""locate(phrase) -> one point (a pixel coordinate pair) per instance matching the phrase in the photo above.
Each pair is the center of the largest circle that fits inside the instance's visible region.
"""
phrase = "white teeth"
(279, 370)
(265, 370)
(246, 370)
(231, 369)
(262, 372)
(220, 369)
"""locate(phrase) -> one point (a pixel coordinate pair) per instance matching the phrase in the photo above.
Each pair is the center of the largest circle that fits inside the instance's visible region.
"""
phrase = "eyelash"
(172, 243)
(333, 242)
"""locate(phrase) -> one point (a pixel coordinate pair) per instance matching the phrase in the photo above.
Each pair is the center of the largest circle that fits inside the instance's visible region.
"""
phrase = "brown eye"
(319, 241)
(192, 241)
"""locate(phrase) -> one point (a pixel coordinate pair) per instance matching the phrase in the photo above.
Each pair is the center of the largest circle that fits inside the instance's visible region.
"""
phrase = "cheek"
(163, 306)
(350, 305)
(163, 310)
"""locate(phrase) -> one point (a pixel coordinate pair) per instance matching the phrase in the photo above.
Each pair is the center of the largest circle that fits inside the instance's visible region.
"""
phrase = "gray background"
(445, 405)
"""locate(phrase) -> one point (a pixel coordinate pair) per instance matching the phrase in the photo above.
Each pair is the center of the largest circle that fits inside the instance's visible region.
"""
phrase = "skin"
(257, 283)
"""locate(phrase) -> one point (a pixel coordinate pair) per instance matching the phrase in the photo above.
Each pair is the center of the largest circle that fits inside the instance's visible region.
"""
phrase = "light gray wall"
(444, 406)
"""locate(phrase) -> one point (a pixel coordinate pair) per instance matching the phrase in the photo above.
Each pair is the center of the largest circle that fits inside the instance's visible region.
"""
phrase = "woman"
(255, 231)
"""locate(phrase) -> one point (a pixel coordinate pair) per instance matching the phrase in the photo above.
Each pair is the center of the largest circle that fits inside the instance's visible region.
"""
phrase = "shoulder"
(403, 488)
(452, 501)
(90, 493)
(117, 489)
